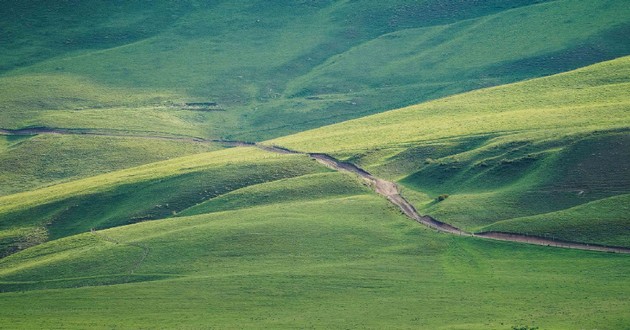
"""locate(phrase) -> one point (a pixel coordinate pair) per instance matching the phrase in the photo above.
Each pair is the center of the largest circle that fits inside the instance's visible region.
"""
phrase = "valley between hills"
(406, 164)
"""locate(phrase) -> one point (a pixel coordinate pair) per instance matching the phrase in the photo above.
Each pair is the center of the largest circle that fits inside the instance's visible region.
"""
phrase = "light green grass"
(29, 162)
(584, 100)
(243, 238)
(168, 168)
(155, 191)
(306, 187)
(601, 222)
(513, 151)
(349, 262)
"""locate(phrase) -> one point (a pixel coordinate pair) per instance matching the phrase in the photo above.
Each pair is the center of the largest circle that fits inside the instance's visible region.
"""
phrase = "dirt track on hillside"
(382, 187)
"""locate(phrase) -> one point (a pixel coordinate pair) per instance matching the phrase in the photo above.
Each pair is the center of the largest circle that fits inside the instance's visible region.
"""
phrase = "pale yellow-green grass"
(166, 168)
(30, 162)
(584, 100)
(70, 101)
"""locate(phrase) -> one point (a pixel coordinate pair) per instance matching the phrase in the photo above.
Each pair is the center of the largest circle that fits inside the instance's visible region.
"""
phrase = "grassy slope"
(602, 221)
(29, 162)
(330, 254)
(301, 264)
(528, 148)
(281, 68)
(148, 192)
(303, 188)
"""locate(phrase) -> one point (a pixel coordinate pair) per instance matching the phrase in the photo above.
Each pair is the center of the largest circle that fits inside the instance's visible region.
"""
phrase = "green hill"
(525, 149)
(275, 69)
(130, 197)
(349, 261)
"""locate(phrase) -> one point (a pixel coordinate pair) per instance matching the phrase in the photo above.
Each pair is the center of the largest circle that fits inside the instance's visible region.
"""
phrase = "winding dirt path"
(382, 187)
(390, 190)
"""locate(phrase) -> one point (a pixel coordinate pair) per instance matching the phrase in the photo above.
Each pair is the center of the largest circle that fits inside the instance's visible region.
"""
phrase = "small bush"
(441, 197)
(524, 328)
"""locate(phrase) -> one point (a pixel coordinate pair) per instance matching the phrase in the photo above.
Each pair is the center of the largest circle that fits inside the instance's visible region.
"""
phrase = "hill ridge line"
(390, 191)
(385, 188)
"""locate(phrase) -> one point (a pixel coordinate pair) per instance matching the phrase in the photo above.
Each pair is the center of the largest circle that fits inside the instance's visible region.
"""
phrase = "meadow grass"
(154, 191)
(302, 188)
(603, 221)
(30, 162)
(126, 232)
(583, 100)
(163, 169)
(353, 261)
(279, 69)
(519, 150)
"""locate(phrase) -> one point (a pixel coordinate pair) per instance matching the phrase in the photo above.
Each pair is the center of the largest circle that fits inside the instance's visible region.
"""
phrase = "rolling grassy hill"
(520, 150)
(31, 162)
(148, 192)
(277, 68)
(125, 212)
(349, 261)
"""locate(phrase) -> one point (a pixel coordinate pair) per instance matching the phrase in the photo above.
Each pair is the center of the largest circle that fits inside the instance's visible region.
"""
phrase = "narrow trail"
(382, 187)
(390, 191)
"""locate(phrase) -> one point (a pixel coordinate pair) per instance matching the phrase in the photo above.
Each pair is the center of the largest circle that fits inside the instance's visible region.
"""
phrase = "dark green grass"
(346, 262)
(521, 179)
(279, 68)
(513, 151)
(603, 221)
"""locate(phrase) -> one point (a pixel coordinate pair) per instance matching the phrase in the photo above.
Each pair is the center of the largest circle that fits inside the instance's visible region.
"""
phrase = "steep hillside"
(513, 151)
(275, 68)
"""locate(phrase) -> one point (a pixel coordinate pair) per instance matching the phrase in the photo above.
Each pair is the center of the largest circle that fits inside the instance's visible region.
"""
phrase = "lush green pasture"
(344, 262)
(29, 162)
(603, 221)
(131, 229)
(584, 100)
(519, 150)
(148, 192)
(279, 68)
(302, 188)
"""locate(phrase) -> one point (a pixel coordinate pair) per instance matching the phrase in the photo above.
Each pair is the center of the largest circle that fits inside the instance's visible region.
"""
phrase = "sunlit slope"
(518, 150)
(149, 192)
(302, 188)
(603, 221)
(282, 67)
(64, 100)
(352, 261)
(30, 162)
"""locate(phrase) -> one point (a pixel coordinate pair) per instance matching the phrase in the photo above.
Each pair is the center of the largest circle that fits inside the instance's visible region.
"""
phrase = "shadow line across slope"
(382, 187)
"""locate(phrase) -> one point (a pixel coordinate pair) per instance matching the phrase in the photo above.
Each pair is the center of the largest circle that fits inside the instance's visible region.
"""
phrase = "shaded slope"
(149, 192)
(299, 264)
(518, 150)
(601, 221)
(280, 68)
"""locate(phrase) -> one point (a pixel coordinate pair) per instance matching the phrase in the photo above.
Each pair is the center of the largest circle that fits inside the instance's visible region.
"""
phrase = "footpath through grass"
(343, 262)
(520, 150)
